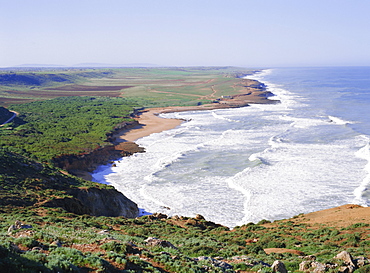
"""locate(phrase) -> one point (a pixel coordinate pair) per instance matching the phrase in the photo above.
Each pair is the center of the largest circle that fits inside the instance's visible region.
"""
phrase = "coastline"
(147, 122)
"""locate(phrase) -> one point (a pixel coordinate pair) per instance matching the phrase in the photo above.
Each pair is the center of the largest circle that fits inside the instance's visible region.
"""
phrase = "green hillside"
(48, 78)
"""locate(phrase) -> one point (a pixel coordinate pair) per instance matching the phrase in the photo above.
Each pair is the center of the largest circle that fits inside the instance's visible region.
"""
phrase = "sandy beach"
(151, 123)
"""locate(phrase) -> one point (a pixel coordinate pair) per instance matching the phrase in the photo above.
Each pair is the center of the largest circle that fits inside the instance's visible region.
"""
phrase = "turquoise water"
(235, 166)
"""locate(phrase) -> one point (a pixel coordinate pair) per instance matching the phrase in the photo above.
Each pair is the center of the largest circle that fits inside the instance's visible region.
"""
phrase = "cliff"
(96, 202)
(107, 202)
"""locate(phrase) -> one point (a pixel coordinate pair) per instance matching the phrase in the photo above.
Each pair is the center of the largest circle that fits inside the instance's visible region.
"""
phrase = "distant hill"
(27, 78)
(92, 65)
(32, 79)
(39, 65)
(115, 65)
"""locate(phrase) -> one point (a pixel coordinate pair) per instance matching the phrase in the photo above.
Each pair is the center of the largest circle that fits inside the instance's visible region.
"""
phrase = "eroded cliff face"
(107, 202)
(96, 202)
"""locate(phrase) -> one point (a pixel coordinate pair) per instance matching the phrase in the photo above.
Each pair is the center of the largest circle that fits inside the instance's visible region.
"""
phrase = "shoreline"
(147, 122)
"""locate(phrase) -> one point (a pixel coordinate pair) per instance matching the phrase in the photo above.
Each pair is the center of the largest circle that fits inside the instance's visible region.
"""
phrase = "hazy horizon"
(243, 33)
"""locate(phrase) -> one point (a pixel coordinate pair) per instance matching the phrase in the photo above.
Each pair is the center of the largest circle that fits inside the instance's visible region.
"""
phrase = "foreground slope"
(47, 225)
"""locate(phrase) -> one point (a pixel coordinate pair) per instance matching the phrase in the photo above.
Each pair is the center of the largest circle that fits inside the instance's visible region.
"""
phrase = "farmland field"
(147, 86)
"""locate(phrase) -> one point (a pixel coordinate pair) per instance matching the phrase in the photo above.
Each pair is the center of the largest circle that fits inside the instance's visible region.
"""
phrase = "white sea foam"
(220, 116)
(339, 121)
(362, 190)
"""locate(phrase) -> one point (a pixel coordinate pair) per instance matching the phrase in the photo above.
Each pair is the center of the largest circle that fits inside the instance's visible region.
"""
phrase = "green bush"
(263, 221)
(27, 242)
(357, 225)
(115, 247)
(241, 266)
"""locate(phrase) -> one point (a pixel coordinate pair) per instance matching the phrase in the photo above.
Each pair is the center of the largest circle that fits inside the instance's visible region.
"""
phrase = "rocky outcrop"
(345, 263)
(278, 266)
(152, 241)
(96, 202)
(345, 257)
(106, 202)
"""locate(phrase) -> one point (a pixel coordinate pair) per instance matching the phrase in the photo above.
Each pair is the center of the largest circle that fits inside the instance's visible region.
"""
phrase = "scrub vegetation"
(66, 125)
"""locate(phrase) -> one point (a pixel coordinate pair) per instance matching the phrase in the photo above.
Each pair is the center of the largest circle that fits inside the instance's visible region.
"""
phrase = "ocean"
(234, 166)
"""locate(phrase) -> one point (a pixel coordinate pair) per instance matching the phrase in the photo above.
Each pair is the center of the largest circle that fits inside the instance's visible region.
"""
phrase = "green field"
(149, 86)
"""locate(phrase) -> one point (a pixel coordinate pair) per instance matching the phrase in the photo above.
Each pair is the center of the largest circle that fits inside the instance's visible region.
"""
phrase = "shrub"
(263, 221)
(292, 266)
(357, 225)
(352, 240)
(27, 242)
(115, 247)
(241, 266)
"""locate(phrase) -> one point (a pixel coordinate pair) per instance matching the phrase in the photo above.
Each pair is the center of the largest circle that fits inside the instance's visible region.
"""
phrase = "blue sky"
(258, 33)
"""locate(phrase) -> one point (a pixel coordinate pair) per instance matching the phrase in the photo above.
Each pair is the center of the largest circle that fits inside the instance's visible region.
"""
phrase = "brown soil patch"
(342, 216)
(88, 88)
(283, 250)
(87, 247)
(8, 101)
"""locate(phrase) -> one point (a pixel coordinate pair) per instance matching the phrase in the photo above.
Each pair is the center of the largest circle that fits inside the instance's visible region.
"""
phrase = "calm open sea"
(235, 166)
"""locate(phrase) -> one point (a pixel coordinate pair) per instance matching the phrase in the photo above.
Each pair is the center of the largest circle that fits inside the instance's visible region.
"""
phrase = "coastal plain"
(52, 211)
